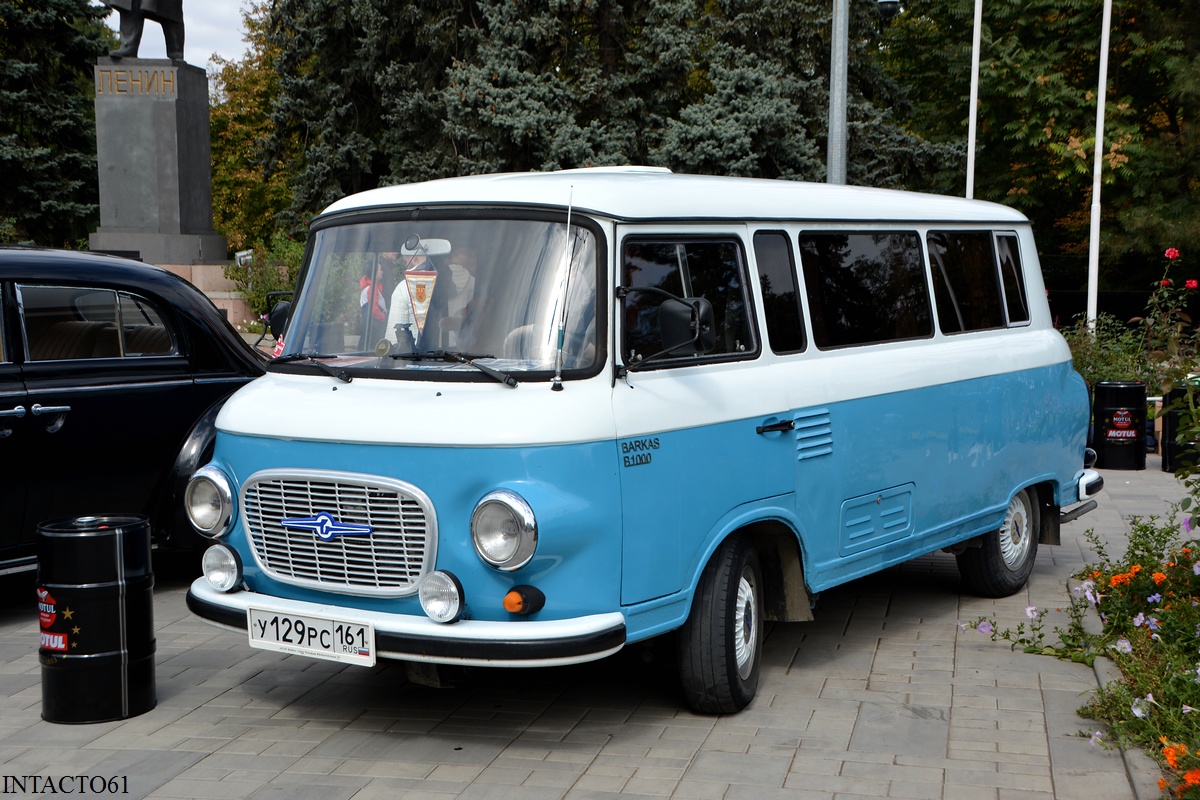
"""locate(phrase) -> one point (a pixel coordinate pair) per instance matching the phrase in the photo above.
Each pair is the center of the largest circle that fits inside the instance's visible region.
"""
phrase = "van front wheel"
(1001, 565)
(720, 645)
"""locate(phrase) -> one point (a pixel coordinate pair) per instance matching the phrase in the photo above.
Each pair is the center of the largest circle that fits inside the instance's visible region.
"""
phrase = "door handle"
(777, 427)
(17, 412)
(39, 409)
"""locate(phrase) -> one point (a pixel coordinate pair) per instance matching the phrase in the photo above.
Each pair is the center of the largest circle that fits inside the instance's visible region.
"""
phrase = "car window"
(68, 322)
(781, 300)
(712, 269)
(865, 287)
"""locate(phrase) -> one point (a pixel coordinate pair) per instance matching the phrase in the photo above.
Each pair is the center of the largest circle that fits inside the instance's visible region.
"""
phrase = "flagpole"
(1093, 292)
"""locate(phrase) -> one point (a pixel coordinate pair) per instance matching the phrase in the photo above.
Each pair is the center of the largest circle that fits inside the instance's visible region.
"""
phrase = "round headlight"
(441, 596)
(504, 530)
(222, 568)
(209, 502)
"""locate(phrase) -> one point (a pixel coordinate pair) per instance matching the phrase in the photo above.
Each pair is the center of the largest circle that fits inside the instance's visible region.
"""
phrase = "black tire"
(1001, 566)
(720, 645)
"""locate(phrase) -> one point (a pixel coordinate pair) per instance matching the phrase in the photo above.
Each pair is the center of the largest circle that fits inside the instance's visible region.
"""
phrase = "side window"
(712, 269)
(965, 282)
(777, 277)
(865, 288)
(1011, 275)
(66, 322)
(143, 332)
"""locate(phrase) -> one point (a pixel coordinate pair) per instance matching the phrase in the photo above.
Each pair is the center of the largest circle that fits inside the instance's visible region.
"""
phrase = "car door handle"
(786, 425)
(17, 412)
(39, 409)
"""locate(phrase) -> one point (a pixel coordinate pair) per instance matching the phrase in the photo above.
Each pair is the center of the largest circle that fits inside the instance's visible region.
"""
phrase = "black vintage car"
(111, 376)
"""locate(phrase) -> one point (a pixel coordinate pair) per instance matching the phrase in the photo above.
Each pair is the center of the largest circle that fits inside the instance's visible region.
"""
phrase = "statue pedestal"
(152, 149)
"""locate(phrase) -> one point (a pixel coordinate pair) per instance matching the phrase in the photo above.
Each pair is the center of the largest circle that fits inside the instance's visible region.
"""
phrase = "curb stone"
(1144, 772)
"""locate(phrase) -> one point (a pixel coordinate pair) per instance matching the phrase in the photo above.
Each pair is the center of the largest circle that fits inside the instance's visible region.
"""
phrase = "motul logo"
(47, 611)
(54, 641)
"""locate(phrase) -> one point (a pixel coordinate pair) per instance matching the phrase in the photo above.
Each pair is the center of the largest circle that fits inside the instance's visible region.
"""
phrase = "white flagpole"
(1093, 291)
(971, 124)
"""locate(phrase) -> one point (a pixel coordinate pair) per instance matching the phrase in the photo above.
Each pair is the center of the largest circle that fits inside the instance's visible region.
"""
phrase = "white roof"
(650, 193)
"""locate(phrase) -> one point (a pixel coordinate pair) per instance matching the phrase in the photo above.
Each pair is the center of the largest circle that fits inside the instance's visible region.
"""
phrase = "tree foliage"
(248, 196)
(1039, 69)
(376, 92)
(47, 119)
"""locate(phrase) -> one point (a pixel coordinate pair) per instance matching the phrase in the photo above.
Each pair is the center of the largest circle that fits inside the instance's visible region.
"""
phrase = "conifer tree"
(48, 50)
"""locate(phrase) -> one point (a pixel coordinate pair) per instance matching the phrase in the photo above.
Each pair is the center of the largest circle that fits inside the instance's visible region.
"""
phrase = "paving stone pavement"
(882, 696)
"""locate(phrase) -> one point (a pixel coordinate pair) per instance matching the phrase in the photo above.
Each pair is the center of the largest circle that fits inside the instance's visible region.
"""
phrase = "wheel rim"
(745, 625)
(1015, 536)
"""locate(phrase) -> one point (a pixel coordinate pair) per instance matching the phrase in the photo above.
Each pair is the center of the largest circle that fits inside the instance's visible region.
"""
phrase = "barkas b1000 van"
(529, 419)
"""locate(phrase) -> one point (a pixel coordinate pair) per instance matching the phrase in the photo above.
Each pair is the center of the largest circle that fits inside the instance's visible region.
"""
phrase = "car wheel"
(1001, 565)
(720, 645)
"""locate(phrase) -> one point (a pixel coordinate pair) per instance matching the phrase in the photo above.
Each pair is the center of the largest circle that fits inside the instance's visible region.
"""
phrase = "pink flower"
(1171, 254)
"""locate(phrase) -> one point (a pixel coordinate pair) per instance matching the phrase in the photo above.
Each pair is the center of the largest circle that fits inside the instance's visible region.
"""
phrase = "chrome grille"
(387, 562)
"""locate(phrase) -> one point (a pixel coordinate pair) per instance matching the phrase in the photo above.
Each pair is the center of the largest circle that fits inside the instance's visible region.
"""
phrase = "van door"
(694, 425)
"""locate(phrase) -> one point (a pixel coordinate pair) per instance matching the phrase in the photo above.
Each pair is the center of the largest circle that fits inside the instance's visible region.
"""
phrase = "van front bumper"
(520, 643)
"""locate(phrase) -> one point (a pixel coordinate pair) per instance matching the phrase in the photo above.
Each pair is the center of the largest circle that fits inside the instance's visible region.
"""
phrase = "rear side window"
(777, 277)
(865, 288)
(1009, 256)
(966, 285)
(712, 269)
(68, 322)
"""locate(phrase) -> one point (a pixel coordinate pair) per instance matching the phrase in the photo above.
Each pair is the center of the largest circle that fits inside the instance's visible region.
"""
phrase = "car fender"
(173, 528)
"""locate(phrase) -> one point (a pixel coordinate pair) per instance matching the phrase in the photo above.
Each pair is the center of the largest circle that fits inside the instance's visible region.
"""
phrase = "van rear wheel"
(720, 645)
(1001, 565)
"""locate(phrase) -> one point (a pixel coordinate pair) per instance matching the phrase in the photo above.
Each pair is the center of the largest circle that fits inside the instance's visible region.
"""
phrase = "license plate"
(339, 640)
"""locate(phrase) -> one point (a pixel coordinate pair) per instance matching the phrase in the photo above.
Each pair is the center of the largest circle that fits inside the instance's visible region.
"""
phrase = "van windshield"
(415, 298)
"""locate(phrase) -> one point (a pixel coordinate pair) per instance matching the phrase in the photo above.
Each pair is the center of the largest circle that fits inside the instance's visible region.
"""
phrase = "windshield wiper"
(461, 358)
(340, 374)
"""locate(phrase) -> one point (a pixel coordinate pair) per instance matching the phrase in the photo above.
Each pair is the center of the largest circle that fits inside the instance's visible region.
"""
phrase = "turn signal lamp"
(524, 600)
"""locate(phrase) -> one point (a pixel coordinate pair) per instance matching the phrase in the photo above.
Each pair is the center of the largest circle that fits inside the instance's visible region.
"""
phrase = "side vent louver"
(814, 433)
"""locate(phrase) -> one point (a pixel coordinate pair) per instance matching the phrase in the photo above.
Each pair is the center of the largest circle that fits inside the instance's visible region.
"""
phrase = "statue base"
(153, 155)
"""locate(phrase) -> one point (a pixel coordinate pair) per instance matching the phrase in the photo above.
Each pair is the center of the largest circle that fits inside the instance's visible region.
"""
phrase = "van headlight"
(504, 530)
(222, 568)
(209, 502)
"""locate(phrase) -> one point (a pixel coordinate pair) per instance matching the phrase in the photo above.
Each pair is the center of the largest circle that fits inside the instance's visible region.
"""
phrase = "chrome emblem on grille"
(326, 527)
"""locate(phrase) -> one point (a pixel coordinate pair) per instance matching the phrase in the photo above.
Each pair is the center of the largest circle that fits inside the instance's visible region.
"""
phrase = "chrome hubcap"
(745, 625)
(1015, 536)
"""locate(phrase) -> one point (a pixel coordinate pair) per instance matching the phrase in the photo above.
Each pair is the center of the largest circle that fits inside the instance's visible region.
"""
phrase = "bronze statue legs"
(132, 24)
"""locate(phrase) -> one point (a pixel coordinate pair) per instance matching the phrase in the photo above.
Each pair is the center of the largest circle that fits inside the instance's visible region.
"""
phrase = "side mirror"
(687, 326)
(278, 317)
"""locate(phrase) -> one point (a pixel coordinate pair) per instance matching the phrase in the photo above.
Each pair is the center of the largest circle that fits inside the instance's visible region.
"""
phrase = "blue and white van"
(529, 419)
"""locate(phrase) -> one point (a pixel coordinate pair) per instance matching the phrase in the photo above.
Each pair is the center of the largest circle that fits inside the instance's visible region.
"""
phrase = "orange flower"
(1192, 777)
(1172, 753)
(1135, 569)
(1159, 577)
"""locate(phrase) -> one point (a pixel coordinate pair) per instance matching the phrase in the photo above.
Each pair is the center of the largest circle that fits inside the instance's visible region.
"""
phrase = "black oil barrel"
(95, 610)
(1119, 416)
(1175, 454)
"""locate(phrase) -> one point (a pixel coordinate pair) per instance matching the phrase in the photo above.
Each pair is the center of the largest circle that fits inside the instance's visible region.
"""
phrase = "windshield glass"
(379, 294)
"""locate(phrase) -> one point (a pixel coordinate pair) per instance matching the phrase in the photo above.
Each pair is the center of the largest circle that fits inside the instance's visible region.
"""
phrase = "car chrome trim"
(524, 643)
(388, 562)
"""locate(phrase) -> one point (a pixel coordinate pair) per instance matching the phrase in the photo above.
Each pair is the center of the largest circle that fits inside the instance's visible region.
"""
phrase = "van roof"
(651, 193)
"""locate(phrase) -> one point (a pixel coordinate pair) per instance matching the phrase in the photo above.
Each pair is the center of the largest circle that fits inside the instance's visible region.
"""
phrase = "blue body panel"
(572, 489)
(864, 483)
